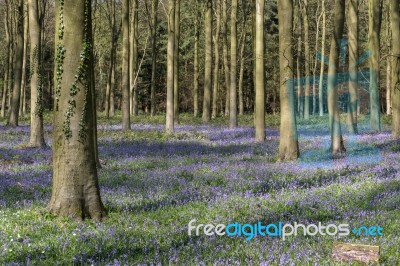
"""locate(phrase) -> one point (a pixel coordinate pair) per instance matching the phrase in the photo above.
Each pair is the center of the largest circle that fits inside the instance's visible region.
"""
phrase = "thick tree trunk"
(125, 84)
(395, 25)
(216, 62)
(36, 82)
(75, 191)
(233, 87)
(353, 56)
(375, 7)
(19, 53)
(337, 146)
(176, 59)
(288, 141)
(170, 67)
(208, 63)
(259, 119)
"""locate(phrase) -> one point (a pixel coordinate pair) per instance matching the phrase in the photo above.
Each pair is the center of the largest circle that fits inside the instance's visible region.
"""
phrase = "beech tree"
(337, 146)
(288, 141)
(125, 84)
(36, 79)
(208, 63)
(170, 67)
(395, 25)
(259, 76)
(75, 188)
(233, 86)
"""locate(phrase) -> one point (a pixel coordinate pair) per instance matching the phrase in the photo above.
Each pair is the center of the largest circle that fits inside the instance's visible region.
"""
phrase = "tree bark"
(75, 188)
(337, 146)
(154, 7)
(225, 55)
(208, 63)
(196, 64)
(374, 7)
(321, 77)
(19, 53)
(216, 61)
(353, 56)
(176, 59)
(125, 84)
(233, 86)
(22, 99)
(170, 67)
(395, 25)
(306, 61)
(260, 83)
(36, 82)
(133, 59)
(288, 141)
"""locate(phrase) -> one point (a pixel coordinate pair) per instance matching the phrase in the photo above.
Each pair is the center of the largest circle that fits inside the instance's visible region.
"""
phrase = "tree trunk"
(176, 59)
(208, 63)
(75, 191)
(133, 59)
(337, 146)
(22, 103)
(125, 84)
(19, 53)
(314, 83)
(288, 141)
(259, 86)
(8, 63)
(196, 65)
(306, 61)
(375, 7)
(216, 62)
(170, 67)
(225, 55)
(241, 72)
(233, 87)
(395, 25)
(353, 56)
(36, 82)
(154, 7)
(321, 77)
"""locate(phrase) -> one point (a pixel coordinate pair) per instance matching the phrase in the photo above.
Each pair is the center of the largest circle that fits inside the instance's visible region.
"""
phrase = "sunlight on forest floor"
(153, 184)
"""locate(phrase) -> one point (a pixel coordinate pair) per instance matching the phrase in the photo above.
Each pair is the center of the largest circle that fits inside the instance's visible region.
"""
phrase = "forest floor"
(153, 184)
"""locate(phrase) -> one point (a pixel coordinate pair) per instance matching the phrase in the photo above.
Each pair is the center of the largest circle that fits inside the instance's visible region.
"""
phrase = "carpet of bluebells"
(153, 184)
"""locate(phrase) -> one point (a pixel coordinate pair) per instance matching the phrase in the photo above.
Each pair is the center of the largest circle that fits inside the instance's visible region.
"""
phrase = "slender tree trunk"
(389, 63)
(321, 77)
(375, 7)
(300, 107)
(36, 82)
(241, 73)
(259, 86)
(216, 62)
(395, 25)
(126, 123)
(288, 141)
(19, 52)
(314, 83)
(170, 67)
(7, 74)
(154, 7)
(176, 59)
(133, 59)
(306, 60)
(22, 104)
(208, 63)
(353, 56)
(233, 88)
(196, 65)
(225, 55)
(75, 191)
(112, 90)
(337, 146)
